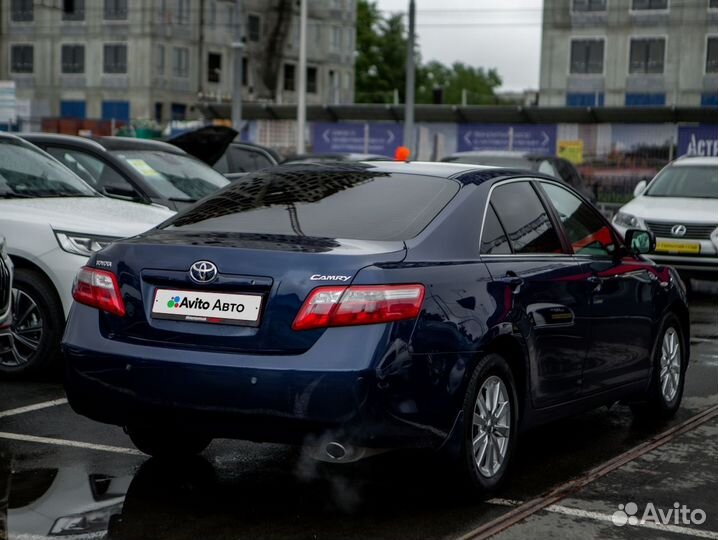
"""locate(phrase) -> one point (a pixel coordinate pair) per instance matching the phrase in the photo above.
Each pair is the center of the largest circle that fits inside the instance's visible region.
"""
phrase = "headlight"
(94, 521)
(714, 238)
(628, 221)
(82, 244)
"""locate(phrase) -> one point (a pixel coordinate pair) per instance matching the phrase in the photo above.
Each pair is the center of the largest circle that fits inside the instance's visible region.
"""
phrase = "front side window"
(115, 58)
(641, 5)
(589, 5)
(588, 233)
(587, 56)
(115, 9)
(21, 10)
(712, 55)
(525, 219)
(73, 58)
(22, 58)
(493, 236)
(647, 55)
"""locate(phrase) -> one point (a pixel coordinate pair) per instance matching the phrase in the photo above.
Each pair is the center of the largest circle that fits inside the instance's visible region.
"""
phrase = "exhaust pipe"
(335, 451)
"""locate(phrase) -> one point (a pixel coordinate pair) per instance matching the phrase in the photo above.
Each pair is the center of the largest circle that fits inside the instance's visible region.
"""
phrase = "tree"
(380, 66)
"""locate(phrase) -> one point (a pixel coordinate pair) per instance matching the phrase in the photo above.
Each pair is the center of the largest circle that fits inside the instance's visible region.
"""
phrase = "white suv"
(680, 206)
(52, 222)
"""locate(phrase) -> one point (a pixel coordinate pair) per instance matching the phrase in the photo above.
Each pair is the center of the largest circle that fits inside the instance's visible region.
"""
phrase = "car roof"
(486, 153)
(695, 160)
(131, 143)
(49, 138)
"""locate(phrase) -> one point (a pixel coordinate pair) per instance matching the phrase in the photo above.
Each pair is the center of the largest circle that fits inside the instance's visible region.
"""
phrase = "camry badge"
(678, 230)
(203, 272)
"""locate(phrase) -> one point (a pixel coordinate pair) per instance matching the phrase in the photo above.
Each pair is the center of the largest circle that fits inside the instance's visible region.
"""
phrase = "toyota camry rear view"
(362, 307)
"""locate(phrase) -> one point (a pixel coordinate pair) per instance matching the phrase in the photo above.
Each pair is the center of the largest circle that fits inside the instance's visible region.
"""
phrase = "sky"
(503, 34)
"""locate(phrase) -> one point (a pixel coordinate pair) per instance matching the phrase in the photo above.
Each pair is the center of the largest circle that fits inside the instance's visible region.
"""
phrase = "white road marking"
(72, 444)
(597, 516)
(35, 407)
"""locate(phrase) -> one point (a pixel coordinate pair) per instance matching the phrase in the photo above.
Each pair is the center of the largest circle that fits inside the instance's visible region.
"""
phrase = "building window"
(73, 10)
(254, 28)
(178, 111)
(289, 71)
(214, 67)
(160, 59)
(21, 58)
(712, 55)
(183, 11)
(587, 56)
(73, 58)
(115, 58)
(588, 5)
(180, 62)
(645, 100)
(21, 10)
(643, 5)
(647, 55)
(312, 80)
(712, 4)
(212, 17)
(584, 99)
(336, 38)
(245, 71)
(116, 10)
(158, 111)
(72, 109)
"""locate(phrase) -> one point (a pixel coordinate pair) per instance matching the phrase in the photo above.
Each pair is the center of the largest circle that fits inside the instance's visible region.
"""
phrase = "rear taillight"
(359, 304)
(99, 289)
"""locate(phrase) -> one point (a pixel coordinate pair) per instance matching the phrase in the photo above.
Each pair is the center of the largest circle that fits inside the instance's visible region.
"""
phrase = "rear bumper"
(260, 398)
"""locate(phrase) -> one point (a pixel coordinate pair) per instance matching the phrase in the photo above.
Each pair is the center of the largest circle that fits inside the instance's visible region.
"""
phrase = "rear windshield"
(350, 201)
(691, 181)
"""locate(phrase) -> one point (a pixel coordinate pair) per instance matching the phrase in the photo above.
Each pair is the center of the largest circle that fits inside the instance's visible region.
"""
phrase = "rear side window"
(351, 201)
(493, 237)
(525, 219)
(245, 160)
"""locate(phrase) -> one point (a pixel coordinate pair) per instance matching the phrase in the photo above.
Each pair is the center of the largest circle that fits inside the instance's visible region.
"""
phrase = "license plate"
(207, 307)
(676, 246)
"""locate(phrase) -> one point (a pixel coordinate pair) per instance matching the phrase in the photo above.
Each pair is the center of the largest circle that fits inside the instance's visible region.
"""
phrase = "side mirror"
(640, 241)
(640, 188)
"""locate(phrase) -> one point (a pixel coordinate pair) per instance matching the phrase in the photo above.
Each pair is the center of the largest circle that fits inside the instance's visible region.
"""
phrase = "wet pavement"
(79, 479)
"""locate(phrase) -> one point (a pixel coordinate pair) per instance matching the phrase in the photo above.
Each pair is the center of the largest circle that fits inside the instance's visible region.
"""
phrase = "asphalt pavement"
(600, 475)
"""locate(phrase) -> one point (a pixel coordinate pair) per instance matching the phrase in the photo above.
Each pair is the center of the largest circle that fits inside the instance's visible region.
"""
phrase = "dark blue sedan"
(358, 307)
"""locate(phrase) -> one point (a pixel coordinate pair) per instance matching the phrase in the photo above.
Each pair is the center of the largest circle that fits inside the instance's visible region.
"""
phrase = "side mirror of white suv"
(640, 188)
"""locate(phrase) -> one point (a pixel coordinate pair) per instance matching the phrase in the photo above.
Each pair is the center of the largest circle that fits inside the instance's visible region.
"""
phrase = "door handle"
(513, 281)
(596, 282)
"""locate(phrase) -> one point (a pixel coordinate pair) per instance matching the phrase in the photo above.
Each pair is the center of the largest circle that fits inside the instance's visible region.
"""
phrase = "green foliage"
(381, 65)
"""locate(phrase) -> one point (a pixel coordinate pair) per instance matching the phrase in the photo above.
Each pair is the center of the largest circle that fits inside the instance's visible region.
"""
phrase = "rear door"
(547, 298)
(622, 297)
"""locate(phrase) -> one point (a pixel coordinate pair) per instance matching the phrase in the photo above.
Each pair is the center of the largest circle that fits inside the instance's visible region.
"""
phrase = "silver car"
(6, 271)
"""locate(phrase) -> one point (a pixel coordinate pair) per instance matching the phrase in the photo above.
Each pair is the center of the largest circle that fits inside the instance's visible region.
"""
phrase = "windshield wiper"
(15, 196)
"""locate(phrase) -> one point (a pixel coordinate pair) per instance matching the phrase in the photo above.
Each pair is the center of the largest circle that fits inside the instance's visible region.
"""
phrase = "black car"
(217, 147)
(333, 157)
(553, 166)
(133, 169)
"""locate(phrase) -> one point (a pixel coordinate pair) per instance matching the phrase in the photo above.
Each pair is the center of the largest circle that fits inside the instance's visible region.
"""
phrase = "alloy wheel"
(491, 427)
(670, 374)
(26, 331)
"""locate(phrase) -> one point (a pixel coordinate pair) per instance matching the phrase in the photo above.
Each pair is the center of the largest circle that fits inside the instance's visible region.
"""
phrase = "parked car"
(138, 170)
(6, 270)
(219, 148)
(52, 221)
(369, 306)
(554, 166)
(680, 206)
(326, 158)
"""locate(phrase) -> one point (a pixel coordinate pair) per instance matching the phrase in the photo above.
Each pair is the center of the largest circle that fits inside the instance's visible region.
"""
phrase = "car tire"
(33, 345)
(167, 443)
(490, 425)
(665, 390)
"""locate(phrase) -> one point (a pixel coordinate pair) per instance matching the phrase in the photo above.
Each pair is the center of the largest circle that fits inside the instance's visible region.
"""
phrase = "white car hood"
(678, 209)
(92, 215)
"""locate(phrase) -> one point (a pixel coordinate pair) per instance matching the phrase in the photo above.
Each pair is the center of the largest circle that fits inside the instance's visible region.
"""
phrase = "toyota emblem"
(678, 230)
(203, 272)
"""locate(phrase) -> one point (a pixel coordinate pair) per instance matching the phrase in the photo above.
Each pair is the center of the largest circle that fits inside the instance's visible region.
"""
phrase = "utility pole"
(237, 53)
(302, 79)
(409, 98)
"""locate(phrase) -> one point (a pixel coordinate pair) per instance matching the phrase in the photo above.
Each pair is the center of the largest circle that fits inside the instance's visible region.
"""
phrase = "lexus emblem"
(203, 272)
(678, 230)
